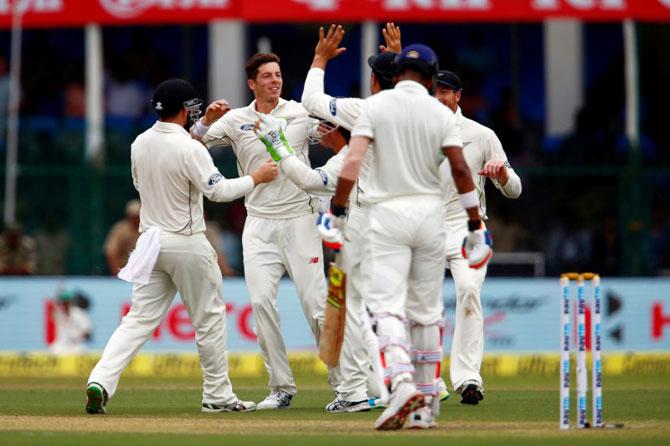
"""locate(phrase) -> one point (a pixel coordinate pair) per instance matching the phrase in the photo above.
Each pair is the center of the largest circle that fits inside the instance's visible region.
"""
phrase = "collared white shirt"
(480, 144)
(279, 198)
(409, 129)
(171, 172)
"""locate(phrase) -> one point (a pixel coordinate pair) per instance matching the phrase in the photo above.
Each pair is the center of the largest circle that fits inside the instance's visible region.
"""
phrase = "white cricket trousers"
(186, 264)
(405, 256)
(467, 346)
(355, 358)
(270, 248)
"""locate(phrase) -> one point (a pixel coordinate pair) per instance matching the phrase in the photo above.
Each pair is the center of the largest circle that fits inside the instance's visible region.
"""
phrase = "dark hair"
(255, 62)
(346, 134)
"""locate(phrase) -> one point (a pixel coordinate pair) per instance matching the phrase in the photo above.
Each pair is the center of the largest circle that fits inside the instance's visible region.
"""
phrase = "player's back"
(409, 129)
(169, 200)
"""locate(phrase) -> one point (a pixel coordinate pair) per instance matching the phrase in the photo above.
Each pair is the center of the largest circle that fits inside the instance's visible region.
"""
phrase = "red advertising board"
(64, 13)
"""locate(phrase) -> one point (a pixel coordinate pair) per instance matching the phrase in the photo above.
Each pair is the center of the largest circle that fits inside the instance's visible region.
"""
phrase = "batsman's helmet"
(383, 66)
(174, 94)
(418, 57)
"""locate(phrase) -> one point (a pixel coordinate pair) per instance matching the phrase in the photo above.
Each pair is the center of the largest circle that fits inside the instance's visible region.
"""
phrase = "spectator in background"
(17, 252)
(73, 326)
(125, 96)
(122, 237)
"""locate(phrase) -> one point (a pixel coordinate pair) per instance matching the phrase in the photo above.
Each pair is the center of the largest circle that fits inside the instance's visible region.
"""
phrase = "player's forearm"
(350, 169)
(229, 189)
(313, 97)
(306, 178)
(512, 187)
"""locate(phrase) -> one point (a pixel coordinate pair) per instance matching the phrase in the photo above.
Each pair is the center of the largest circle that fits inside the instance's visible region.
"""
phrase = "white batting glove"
(477, 246)
(270, 131)
(330, 229)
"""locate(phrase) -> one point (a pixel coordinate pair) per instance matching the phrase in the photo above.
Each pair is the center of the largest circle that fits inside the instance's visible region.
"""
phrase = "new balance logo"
(314, 260)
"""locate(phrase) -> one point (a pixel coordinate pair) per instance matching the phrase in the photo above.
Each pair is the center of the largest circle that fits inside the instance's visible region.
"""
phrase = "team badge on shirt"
(247, 127)
(215, 179)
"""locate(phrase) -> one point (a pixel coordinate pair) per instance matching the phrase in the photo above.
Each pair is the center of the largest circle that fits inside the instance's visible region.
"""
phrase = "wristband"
(473, 225)
(469, 199)
(200, 129)
(338, 211)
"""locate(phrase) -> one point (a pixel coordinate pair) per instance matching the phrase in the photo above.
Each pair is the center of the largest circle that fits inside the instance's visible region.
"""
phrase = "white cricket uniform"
(405, 236)
(280, 232)
(355, 359)
(172, 172)
(480, 144)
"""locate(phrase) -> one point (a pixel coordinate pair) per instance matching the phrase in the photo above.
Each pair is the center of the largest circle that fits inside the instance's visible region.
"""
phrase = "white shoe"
(277, 399)
(340, 405)
(442, 392)
(237, 406)
(422, 419)
(404, 399)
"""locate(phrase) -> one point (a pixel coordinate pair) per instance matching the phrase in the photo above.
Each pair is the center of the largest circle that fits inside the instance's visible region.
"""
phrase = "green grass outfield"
(165, 412)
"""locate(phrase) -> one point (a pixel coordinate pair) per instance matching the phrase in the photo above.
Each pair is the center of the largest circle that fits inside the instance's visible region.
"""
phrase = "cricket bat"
(332, 334)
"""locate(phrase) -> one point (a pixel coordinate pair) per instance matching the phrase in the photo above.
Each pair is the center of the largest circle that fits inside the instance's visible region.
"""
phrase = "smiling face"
(268, 83)
(448, 96)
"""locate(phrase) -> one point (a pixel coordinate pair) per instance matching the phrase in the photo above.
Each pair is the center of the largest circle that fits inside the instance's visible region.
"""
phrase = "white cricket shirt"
(279, 198)
(343, 112)
(171, 172)
(480, 144)
(409, 129)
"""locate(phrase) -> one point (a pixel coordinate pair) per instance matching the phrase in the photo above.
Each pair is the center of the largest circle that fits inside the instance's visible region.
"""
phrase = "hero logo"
(581, 4)
(39, 6)
(131, 8)
(441, 4)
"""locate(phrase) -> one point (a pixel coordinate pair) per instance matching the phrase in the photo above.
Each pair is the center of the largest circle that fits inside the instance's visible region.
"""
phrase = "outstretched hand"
(328, 46)
(391, 38)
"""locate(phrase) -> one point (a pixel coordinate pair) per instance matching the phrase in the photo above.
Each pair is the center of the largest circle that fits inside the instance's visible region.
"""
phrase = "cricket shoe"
(342, 406)
(422, 418)
(277, 399)
(96, 399)
(404, 400)
(472, 394)
(237, 406)
(442, 392)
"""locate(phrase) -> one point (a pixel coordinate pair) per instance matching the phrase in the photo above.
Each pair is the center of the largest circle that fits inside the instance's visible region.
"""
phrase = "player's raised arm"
(391, 35)
(201, 128)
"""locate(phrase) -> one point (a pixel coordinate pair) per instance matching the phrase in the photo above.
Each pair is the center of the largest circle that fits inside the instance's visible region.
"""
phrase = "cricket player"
(412, 132)
(280, 230)
(172, 172)
(486, 158)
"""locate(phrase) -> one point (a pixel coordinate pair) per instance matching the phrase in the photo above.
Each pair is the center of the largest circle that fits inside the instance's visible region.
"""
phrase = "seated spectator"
(122, 237)
(17, 252)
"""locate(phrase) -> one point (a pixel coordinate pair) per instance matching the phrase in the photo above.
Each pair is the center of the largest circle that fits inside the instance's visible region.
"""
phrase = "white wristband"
(199, 129)
(469, 199)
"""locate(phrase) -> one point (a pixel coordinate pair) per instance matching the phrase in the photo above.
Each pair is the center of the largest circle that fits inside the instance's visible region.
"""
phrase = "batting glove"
(270, 131)
(330, 229)
(477, 246)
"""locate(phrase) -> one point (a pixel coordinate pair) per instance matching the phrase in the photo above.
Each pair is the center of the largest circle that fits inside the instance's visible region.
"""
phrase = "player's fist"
(330, 229)
(477, 246)
(266, 173)
(214, 111)
(270, 131)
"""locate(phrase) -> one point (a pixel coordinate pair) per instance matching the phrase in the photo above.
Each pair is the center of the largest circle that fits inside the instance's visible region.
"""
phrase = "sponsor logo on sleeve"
(324, 177)
(215, 178)
(333, 107)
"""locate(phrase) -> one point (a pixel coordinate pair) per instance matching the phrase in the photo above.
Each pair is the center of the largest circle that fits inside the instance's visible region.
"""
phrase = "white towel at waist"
(143, 259)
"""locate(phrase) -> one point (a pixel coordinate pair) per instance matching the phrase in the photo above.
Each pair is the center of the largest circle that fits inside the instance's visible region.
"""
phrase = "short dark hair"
(255, 62)
(346, 134)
